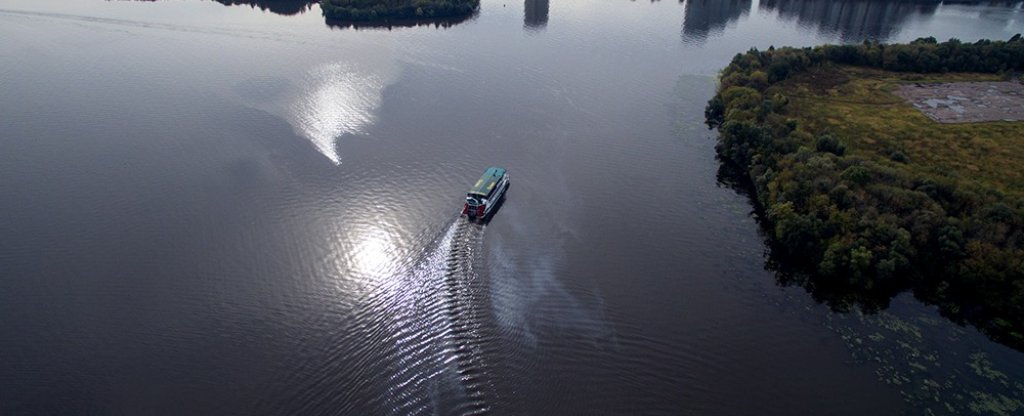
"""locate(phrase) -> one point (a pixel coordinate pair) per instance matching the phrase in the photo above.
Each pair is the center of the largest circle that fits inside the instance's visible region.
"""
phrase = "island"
(378, 10)
(882, 168)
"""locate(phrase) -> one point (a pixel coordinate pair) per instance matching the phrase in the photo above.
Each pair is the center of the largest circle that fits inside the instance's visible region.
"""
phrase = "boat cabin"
(486, 192)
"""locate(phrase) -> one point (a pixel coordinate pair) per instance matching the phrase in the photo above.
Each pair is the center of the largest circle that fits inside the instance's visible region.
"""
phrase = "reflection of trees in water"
(995, 12)
(293, 7)
(284, 7)
(999, 3)
(839, 295)
(706, 16)
(535, 14)
(437, 23)
(792, 270)
(844, 296)
(851, 20)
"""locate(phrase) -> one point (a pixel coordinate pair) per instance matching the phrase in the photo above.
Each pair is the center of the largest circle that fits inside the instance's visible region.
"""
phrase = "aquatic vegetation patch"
(938, 370)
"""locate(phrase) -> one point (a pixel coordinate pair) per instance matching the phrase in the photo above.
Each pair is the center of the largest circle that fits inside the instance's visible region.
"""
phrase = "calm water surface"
(212, 210)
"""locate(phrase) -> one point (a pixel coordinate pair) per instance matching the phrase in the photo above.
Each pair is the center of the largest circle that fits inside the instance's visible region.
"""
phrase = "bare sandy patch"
(967, 102)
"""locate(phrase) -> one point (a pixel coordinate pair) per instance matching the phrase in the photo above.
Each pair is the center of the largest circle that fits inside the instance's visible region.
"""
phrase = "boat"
(484, 196)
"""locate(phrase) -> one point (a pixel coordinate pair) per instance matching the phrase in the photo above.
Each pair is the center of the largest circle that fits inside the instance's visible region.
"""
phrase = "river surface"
(240, 210)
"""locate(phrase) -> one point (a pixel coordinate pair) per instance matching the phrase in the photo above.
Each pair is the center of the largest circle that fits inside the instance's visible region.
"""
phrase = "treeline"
(860, 223)
(369, 10)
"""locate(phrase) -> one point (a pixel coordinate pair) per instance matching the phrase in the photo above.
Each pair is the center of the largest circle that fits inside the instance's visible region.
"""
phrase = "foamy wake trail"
(437, 362)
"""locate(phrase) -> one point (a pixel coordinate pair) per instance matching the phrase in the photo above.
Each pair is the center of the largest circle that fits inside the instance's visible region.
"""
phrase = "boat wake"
(465, 295)
(438, 364)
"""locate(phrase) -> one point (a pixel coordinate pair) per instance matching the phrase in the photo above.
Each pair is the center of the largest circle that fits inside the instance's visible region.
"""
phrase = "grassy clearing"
(857, 105)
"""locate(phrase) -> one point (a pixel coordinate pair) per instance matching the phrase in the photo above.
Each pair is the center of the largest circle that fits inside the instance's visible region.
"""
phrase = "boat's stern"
(474, 207)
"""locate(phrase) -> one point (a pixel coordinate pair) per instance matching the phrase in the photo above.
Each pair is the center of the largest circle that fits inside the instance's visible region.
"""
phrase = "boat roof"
(485, 185)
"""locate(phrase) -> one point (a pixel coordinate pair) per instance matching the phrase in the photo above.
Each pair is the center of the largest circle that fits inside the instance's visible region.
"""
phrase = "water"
(214, 209)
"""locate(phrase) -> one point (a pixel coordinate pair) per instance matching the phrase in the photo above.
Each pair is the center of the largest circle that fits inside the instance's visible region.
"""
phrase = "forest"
(861, 197)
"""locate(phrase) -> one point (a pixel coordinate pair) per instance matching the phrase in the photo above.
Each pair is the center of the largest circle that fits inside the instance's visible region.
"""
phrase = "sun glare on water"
(373, 254)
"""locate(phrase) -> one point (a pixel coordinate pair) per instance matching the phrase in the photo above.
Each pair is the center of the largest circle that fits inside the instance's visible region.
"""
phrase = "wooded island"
(862, 195)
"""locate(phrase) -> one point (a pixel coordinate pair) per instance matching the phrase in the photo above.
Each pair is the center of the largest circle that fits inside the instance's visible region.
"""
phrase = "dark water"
(242, 210)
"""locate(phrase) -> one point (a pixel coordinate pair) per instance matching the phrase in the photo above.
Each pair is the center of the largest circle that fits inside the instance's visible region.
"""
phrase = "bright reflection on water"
(374, 253)
(424, 316)
(338, 100)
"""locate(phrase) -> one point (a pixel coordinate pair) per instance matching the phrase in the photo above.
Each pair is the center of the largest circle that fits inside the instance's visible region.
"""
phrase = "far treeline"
(874, 220)
(368, 10)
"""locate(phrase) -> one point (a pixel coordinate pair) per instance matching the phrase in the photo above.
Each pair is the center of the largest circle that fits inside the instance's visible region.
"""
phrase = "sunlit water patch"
(337, 100)
(371, 254)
